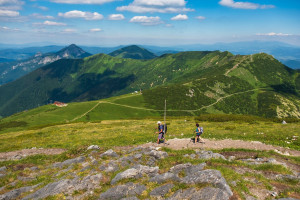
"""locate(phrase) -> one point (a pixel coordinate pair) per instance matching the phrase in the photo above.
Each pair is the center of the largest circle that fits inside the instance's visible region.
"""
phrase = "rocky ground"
(153, 173)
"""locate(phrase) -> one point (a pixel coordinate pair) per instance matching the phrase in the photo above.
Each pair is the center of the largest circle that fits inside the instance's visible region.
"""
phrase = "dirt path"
(222, 144)
(17, 155)
(84, 114)
(235, 66)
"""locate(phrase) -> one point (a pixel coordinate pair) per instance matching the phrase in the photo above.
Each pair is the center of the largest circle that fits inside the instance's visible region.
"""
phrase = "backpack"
(166, 128)
(163, 127)
(201, 129)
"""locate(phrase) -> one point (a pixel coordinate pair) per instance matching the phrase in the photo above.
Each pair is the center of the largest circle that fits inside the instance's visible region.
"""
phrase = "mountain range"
(10, 71)
(286, 53)
(192, 82)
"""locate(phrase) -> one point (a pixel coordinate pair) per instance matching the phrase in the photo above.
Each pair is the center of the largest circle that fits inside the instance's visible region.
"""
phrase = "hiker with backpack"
(199, 131)
(161, 132)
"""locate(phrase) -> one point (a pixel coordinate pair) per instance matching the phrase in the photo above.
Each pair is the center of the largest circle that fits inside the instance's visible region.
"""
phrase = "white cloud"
(9, 13)
(273, 34)
(39, 16)
(69, 30)
(180, 17)
(244, 5)
(11, 4)
(116, 17)
(200, 17)
(44, 8)
(50, 23)
(83, 1)
(4, 28)
(81, 14)
(146, 21)
(152, 6)
(93, 30)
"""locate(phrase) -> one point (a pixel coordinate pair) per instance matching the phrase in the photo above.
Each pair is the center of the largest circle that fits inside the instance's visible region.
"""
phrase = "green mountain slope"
(192, 83)
(133, 52)
(14, 70)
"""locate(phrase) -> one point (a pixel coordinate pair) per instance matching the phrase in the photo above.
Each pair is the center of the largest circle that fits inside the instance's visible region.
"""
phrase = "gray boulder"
(3, 169)
(161, 191)
(14, 194)
(138, 156)
(2, 175)
(158, 154)
(209, 176)
(151, 161)
(123, 191)
(51, 189)
(182, 194)
(67, 186)
(211, 194)
(178, 168)
(136, 172)
(209, 155)
(160, 178)
(207, 193)
(109, 167)
(93, 147)
(126, 160)
(288, 177)
(129, 173)
(150, 171)
(194, 169)
(109, 153)
(69, 162)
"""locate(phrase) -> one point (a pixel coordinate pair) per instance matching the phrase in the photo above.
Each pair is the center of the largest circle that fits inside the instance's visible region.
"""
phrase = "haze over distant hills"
(12, 70)
(216, 82)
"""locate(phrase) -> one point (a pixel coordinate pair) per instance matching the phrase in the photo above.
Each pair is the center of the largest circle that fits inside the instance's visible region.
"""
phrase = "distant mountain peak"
(133, 52)
(73, 51)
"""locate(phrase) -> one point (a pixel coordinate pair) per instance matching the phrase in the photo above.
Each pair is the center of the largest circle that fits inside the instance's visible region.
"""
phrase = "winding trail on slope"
(235, 66)
(150, 109)
(203, 107)
(84, 114)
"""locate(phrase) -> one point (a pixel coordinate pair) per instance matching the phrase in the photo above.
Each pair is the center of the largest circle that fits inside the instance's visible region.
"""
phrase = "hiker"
(160, 132)
(199, 131)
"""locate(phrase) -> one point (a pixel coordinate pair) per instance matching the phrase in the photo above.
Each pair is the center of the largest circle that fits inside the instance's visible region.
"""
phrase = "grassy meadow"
(110, 133)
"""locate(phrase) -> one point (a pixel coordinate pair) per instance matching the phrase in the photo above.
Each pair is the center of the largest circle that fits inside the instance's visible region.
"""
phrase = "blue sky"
(151, 22)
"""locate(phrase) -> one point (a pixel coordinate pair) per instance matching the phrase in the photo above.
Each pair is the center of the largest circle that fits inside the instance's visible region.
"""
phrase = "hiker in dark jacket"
(160, 132)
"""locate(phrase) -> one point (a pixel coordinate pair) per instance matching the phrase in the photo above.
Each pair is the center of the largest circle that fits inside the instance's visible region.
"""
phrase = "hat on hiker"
(158, 122)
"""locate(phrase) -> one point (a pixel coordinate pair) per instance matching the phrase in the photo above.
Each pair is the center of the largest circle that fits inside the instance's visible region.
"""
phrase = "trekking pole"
(165, 120)
(154, 136)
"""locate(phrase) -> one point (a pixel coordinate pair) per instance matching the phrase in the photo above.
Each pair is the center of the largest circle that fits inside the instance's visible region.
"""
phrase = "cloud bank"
(153, 6)
(244, 5)
(146, 21)
(81, 14)
(82, 1)
(180, 17)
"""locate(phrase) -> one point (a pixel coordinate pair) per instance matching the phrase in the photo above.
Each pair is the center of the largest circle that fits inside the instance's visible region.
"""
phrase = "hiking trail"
(150, 109)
